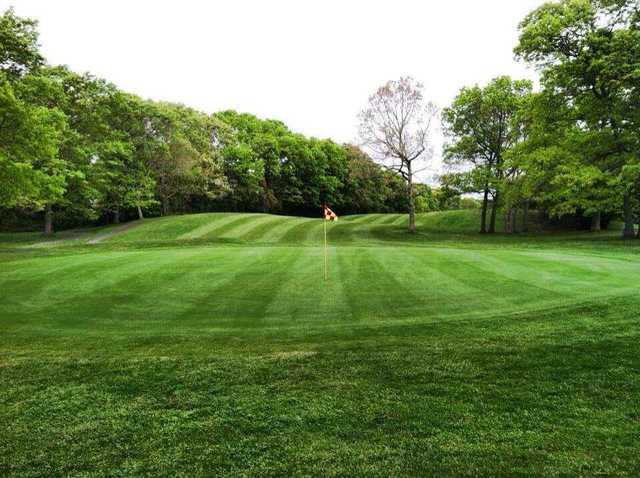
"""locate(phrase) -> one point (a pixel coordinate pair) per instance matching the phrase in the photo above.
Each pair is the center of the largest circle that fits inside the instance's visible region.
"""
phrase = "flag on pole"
(329, 215)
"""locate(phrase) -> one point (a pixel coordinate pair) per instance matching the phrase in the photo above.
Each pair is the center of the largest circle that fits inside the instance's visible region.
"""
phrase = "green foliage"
(30, 137)
(121, 182)
(368, 188)
(441, 198)
(84, 150)
(469, 203)
(19, 51)
(483, 125)
(589, 53)
(572, 148)
(272, 169)
(426, 200)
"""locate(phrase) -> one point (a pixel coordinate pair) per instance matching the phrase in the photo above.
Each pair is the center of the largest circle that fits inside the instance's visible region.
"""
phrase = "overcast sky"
(309, 63)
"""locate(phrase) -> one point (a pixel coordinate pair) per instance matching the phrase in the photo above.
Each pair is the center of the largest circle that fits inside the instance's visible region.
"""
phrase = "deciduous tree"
(482, 124)
(589, 55)
(395, 127)
(19, 52)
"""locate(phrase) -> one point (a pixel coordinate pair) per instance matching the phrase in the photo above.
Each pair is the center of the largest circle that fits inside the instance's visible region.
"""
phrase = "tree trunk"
(525, 216)
(510, 221)
(494, 211)
(116, 216)
(412, 201)
(596, 222)
(514, 220)
(483, 215)
(629, 227)
(140, 215)
(48, 220)
(165, 206)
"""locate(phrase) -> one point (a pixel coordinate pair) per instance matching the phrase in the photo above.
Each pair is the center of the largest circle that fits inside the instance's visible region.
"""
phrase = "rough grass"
(209, 345)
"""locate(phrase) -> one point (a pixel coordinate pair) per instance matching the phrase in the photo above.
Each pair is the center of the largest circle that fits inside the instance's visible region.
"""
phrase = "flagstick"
(325, 248)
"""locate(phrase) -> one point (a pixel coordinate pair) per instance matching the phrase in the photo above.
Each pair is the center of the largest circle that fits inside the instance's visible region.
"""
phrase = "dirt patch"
(114, 232)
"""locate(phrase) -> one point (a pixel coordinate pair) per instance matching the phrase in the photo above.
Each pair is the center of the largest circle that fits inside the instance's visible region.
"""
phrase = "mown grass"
(209, 345)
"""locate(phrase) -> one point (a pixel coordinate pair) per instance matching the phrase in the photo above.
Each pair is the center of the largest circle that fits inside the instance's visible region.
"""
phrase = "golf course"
(320, 239)
(210, 344)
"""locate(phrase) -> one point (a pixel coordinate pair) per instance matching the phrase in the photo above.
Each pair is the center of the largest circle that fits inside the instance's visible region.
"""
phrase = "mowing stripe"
(238, 220)
(392, 218)
(479, 270)
(165, 228)
(104, 274)
(369, 219)
(314, 231)
(446, 279)
(261, 228)
(276, 233)
(217, 221)
(355, 218)
(305, 297)
(379, 219)
(240, 229)
(402, 219)
(300, 231)
(385, 293)
(243, 295)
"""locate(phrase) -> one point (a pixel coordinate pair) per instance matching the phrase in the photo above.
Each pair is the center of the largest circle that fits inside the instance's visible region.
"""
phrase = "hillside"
(455, 228)
(266, 228)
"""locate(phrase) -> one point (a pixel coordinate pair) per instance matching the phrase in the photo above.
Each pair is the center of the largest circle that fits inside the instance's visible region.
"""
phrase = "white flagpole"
(324, 220)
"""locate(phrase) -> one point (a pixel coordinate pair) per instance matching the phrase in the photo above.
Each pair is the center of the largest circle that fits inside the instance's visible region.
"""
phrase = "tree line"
(75, 149)
(571, 149)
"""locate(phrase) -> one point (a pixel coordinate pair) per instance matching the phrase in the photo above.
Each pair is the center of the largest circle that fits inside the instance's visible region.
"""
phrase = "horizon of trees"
(74, 149)
(573, 148)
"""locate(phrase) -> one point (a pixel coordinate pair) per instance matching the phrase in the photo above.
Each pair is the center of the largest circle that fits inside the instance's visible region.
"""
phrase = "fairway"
(210, 344)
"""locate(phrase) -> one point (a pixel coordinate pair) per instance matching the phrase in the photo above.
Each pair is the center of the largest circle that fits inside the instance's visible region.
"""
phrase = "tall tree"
(589, 54)
(558, 162)
(31, 172)
(19, 52)
(261, 156)
(31, 133)
(482, 124)
(181, 150)
(91, 107)
(395, 127)
(121, 180)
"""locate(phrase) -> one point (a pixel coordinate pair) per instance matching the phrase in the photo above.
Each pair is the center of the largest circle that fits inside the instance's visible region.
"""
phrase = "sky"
(309, 63)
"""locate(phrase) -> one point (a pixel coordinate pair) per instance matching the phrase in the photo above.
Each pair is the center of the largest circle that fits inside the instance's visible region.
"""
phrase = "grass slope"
(208, 345)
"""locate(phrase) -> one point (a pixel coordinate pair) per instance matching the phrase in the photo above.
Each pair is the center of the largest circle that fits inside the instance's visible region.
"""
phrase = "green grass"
(209, 345)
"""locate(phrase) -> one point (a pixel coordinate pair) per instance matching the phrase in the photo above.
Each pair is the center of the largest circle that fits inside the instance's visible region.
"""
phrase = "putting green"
(258, 286)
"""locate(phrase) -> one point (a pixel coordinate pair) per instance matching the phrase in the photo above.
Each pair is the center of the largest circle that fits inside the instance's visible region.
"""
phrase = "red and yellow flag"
(329, 215)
